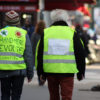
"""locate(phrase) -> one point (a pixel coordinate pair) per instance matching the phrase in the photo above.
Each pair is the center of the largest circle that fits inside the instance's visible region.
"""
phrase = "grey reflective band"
(11, 62)
(59, 61)
(10, 54)
(69, 53)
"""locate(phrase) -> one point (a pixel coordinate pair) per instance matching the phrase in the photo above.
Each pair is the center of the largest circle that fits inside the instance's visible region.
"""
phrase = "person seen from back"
(16, 60)
(60, 55)
(29, 27)
(39, 28)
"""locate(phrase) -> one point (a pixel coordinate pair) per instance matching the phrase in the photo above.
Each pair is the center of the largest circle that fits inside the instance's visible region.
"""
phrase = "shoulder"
(21, 29)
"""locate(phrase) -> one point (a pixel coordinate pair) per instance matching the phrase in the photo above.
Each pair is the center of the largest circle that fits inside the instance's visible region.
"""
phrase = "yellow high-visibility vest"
(58, 54)
(12, 46)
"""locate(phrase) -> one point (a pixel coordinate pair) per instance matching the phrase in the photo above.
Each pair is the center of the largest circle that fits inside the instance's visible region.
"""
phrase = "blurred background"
(84, 16)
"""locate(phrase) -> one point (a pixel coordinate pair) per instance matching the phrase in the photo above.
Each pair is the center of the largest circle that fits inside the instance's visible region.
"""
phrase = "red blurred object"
(49, 4)
(86, 1)
(86, 26)
(84, 10)
(66, 4)
(20, 0)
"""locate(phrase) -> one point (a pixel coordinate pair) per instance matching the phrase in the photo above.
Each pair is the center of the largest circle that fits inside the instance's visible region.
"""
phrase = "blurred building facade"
(29, 8)
(26, 8)
(75, 9)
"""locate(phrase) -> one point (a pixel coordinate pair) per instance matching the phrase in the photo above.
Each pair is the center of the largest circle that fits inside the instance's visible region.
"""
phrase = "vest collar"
(61, 23)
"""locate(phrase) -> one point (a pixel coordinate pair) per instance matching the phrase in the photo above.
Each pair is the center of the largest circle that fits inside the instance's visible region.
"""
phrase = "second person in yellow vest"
(60, 55)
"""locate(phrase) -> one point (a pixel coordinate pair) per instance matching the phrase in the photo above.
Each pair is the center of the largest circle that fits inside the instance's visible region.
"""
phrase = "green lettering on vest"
(20, 42)
(1, 39)
(1, 48)
(9, 48)
(11, 40)
(12, 48)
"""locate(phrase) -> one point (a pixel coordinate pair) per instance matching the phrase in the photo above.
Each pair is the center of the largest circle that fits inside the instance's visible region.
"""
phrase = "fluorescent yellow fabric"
(36, 53)
(12, 46)
(53, 63)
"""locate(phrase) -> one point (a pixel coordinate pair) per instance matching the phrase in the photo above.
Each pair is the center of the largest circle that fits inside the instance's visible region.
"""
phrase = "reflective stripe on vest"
(69, 53)
(9, 54)
(58, 61)
(11, 62)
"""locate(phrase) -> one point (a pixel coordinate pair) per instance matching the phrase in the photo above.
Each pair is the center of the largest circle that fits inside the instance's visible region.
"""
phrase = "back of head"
(40, 27)
(12, 18)
(27, 22)
(59, 15)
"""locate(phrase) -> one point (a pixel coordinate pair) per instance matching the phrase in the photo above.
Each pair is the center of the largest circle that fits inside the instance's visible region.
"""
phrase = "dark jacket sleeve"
(34, 40)
(33, 43)
(79, 55)
(40, 57)
(28, 57)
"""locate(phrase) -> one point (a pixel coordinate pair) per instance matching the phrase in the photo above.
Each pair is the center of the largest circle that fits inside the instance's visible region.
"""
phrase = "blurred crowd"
(56, 61)
(88, 35)
(91, 40)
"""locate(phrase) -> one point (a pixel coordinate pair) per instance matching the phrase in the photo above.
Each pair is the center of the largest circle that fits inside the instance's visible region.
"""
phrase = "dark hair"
(40, 27)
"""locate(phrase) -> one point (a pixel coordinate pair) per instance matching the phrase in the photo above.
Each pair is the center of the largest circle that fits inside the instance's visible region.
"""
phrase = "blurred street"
(81, 89)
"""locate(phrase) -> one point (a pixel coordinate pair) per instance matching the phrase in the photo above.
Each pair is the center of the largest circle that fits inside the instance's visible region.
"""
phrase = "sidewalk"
(81, 89)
